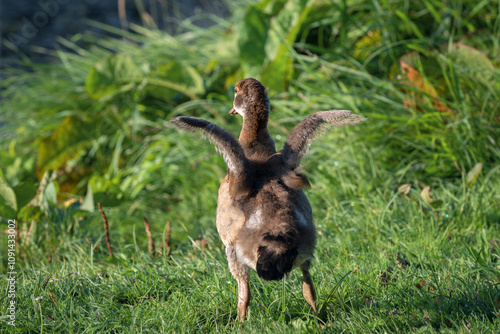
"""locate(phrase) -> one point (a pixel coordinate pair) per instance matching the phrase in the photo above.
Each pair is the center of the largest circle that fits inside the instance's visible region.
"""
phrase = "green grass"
(92, 125)
(367, 234)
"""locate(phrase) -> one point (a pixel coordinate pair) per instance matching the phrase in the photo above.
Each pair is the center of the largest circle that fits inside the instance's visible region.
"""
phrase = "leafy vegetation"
(406, 204)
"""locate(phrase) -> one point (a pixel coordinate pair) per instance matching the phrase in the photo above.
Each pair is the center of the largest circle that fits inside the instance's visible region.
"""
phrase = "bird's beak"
(233, 111)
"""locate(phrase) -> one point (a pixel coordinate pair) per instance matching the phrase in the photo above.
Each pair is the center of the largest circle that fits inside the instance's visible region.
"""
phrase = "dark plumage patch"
(273, 266)
(284, 238)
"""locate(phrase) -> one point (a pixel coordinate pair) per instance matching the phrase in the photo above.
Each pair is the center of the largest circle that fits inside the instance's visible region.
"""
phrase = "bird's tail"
(276, 256)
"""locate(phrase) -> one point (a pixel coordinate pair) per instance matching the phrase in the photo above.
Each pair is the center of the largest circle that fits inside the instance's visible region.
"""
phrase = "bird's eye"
(236, 89)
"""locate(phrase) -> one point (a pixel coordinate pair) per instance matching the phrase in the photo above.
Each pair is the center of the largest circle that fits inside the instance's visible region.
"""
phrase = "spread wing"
(223, 141)
(306, 131)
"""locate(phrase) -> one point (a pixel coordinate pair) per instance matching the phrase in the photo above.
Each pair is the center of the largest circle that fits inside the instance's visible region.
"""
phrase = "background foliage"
(407, 202)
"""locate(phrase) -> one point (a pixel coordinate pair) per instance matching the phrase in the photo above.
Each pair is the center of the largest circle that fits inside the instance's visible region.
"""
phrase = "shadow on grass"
(423, 306)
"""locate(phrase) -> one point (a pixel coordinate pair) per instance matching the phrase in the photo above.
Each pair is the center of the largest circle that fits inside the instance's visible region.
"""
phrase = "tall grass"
(406, 204)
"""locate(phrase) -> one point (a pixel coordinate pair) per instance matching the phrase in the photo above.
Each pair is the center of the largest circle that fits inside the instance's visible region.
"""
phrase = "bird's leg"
(243, 298)
(308, 287)
(242, 275)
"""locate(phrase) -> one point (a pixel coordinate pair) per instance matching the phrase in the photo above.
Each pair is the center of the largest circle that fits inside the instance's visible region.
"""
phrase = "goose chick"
(264, 220)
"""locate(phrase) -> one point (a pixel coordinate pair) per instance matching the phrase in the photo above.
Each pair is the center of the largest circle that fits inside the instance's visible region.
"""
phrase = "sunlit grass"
(386, 261)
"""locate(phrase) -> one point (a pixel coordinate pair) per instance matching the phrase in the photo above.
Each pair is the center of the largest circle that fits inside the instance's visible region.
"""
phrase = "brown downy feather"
(241, 169)
(301, 136)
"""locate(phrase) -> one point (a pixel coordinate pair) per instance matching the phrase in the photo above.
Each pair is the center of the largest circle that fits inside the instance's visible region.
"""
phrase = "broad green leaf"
(474, 173)
(8, 203)
(88, 202)
(468, 56)
(252, 37)
(29, 212)
(478, 65)
(270, 7)
(25, 192)
(50, 193)
(115, 73)
(366, 44)
(285, 25)
(284, 29)
(173, 78)
(106, 191)
(278, 72)
(66, 142)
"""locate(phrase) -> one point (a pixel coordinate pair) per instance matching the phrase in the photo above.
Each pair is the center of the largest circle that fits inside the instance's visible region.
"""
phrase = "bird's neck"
(254, 137)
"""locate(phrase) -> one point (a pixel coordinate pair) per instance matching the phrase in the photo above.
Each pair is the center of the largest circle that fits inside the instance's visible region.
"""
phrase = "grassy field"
(406, 204)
